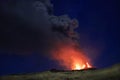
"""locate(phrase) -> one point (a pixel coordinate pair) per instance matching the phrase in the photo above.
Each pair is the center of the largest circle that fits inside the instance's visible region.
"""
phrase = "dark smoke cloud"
(28, 26)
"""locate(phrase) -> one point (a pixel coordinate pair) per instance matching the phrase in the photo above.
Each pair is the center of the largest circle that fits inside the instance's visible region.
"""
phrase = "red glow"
(71, 58)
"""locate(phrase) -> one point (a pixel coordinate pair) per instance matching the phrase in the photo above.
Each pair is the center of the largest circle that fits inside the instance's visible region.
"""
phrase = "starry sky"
(99, 37)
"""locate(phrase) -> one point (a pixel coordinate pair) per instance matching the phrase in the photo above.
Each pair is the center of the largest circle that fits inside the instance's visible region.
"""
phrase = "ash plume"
(28, 26)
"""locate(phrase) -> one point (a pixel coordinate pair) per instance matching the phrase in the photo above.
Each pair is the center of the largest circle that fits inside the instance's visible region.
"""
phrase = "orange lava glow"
(71, 58)
(78, 66)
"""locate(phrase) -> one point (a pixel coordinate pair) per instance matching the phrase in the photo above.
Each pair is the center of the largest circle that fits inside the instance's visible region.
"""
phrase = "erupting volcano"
(71, 58)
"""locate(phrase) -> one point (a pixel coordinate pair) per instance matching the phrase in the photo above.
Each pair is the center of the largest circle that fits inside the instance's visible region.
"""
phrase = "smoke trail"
(30, 26)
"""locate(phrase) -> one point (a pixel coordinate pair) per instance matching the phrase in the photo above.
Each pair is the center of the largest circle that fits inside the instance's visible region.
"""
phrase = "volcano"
(71, 58)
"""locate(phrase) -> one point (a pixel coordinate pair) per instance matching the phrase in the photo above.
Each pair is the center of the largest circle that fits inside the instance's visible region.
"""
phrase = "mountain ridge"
(110, 73)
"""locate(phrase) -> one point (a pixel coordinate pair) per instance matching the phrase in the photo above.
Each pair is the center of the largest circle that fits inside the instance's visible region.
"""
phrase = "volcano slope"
(112, 73)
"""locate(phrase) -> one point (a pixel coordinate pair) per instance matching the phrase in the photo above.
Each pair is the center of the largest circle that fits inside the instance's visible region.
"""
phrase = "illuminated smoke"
(29, 26)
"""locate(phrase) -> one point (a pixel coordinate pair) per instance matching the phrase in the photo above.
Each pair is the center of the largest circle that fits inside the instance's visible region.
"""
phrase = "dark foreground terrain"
(112, 73)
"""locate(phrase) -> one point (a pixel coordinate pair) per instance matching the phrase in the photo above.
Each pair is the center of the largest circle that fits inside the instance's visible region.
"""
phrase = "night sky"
(99, 37)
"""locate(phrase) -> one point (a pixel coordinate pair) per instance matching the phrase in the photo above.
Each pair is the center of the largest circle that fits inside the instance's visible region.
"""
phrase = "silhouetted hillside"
(112, 73)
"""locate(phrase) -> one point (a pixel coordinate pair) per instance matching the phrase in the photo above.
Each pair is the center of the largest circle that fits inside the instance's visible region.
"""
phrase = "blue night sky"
(99, 37)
